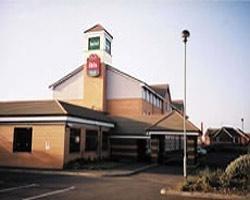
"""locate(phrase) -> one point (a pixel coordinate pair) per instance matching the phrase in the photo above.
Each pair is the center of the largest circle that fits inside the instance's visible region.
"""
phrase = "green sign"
(94, 43)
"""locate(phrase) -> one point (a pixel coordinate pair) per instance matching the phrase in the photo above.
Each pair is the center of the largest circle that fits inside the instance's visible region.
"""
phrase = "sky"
(41, 41)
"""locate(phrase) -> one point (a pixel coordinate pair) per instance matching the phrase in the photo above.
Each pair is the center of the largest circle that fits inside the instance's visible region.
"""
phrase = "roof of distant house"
(233, 132)
(211, 131)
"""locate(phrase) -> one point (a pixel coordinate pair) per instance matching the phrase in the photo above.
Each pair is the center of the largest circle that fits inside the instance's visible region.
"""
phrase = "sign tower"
(97, 55)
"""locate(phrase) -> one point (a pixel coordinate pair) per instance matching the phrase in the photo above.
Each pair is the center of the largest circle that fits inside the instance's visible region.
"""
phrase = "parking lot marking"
(19, 187)
(50, 193)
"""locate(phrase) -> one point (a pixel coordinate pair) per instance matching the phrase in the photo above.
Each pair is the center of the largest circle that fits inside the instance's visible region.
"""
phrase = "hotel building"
(97, 112)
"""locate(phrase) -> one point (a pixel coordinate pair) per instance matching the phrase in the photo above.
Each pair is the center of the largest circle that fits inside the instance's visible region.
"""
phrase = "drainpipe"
(100, 144)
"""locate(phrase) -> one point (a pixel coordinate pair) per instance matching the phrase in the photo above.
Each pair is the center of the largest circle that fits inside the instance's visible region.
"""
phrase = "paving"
(126, 169)
(28, 186)
(145, 185)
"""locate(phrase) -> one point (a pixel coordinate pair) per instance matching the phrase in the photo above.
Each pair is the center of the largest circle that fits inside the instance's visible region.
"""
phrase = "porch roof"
(50, 110)
(173, 122)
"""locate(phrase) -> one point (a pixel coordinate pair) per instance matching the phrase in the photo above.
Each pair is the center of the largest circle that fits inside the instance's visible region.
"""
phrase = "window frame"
(108, 46)
(93, 38)
(18, 147)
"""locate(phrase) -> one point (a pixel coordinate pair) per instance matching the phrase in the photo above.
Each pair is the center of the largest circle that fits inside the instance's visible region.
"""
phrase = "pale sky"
(41, 41)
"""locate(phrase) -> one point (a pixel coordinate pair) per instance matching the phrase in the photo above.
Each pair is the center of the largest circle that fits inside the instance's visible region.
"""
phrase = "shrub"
(237, 173)
(235, 178)
(206, 181)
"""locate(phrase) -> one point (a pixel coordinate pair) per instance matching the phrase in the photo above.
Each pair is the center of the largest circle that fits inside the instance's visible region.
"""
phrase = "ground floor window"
(75, 135)
(105, 141)
(173, 142)
(91, 140)
(22, 140)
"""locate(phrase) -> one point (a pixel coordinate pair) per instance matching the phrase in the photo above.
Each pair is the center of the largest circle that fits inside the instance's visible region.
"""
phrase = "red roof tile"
(97, 28)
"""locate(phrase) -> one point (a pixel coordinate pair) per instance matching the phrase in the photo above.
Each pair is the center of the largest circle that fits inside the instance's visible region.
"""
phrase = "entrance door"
(161, 148)
(141, 149)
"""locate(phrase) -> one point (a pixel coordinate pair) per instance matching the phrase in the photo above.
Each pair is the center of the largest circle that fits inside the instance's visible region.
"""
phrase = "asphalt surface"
(146, 186)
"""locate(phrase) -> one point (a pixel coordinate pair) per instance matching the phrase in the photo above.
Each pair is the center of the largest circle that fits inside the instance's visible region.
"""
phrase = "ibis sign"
(93, 65)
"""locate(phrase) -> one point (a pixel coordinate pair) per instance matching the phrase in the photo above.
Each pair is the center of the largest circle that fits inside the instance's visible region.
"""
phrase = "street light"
(242, 124)
(185, 35)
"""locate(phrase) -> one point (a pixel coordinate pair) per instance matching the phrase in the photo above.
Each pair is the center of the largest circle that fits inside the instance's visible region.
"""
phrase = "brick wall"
(40, 157)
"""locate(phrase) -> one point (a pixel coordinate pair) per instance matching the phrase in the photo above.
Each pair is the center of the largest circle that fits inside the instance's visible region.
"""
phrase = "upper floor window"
(147, 96)
(22, 140)
(94, 43)
(107, 46)
(144, 94)
(155, 101)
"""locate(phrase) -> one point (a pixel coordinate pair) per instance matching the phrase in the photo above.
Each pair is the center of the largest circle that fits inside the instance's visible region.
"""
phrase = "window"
(144, 94)
(74, 145)
(91, 140)
(161, 104)
(148, 96)
(155, 101)
(94, 43)
(107, 46)
(22, 140)
(168, 107)
(105, 141)
(158, 103)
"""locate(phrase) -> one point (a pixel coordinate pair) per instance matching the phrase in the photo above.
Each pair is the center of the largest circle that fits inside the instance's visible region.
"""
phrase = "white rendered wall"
(104, 56)
(71, 88)
(121, 87)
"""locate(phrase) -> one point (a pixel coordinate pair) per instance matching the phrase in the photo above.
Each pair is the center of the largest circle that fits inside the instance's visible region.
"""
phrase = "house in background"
(225, 135)
(98, 111)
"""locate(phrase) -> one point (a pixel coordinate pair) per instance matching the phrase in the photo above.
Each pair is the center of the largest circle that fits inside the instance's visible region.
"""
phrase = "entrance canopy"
(172, 124)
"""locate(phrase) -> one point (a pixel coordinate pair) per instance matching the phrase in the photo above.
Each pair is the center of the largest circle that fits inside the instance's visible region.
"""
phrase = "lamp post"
(242, 124)
(185, 35)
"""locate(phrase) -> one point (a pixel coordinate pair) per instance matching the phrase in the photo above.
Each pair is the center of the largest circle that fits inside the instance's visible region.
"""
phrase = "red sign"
(93, 65)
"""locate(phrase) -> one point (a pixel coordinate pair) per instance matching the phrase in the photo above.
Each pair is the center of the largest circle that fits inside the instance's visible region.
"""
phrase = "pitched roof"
(160, 89)
(83, 112)
(97, 28)
(139, 125)
(66, 77)
(243, 133)
(80, 68)
(178, 105)
(30, 108)
(133, 125)
(233, 132)
(211, 131)
(49, 108)
(173, 122)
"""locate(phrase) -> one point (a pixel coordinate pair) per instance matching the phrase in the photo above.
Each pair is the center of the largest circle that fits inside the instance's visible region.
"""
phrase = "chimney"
(202, 128)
